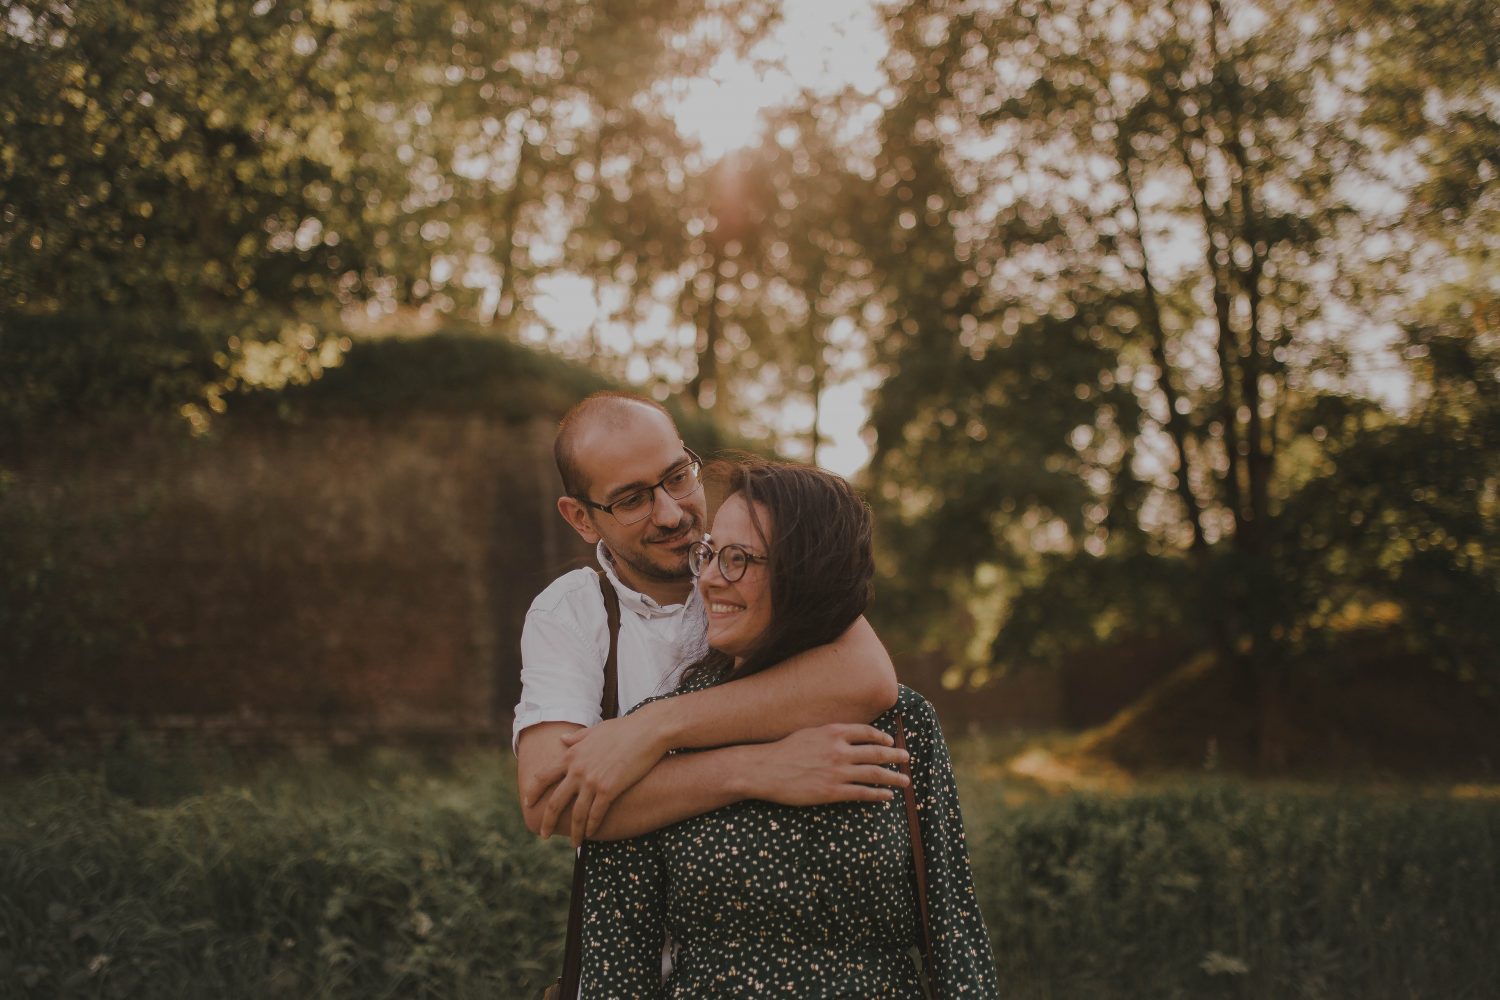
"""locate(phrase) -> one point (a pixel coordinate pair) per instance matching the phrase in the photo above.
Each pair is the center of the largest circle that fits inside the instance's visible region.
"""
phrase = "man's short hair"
(607, 404)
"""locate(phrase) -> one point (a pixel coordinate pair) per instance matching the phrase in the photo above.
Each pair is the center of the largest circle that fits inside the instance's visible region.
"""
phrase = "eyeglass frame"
(717, 556)
(660, 484)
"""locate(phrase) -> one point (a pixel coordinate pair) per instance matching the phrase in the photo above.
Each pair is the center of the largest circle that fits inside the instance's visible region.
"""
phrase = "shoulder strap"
(609, 707)
(919, 860)
(610, 704)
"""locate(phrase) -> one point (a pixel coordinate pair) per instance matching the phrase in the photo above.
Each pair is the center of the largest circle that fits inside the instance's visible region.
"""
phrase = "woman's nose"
(710, 569)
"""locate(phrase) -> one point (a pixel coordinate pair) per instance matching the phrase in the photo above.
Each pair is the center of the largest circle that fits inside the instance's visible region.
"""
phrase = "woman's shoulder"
(916, 713)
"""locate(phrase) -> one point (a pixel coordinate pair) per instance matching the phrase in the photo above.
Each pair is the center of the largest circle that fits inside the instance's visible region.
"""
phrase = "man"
(795, 733)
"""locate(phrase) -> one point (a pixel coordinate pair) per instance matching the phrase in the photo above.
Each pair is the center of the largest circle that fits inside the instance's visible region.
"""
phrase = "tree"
(240, 168)
(1123, 256)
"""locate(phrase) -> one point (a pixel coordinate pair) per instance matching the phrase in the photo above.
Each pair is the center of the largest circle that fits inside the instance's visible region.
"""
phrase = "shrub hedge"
(393, 878)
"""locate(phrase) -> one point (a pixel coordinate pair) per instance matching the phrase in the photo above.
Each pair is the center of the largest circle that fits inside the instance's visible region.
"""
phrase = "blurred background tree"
(1141, 258)
(238, 168)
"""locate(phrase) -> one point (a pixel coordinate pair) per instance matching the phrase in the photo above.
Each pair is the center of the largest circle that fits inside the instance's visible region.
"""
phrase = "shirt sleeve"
(624, 924)
(562, 674)
(963, 961)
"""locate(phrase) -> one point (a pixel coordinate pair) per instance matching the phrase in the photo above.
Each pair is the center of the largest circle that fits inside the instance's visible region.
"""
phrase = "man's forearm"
(850, 680)
(677, 788)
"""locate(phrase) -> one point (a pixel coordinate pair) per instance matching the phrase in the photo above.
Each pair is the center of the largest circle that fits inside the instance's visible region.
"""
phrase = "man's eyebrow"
(620, 491)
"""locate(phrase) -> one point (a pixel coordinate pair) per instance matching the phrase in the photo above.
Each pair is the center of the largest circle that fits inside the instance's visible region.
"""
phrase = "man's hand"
(601, 762)
(833, 763)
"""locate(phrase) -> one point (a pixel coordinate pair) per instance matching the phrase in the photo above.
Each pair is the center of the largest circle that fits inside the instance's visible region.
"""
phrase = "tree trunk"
(820, 374)
(1150, 300)
(1265, 658)
(510, 217)
(1227, 346)
(703, 389)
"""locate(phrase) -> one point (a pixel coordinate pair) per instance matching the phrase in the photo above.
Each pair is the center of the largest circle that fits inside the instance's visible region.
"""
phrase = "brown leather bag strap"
(609, 707)
(919, 860)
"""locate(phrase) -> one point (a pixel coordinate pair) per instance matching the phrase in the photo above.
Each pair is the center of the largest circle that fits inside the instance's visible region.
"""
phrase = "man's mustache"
(685, 525)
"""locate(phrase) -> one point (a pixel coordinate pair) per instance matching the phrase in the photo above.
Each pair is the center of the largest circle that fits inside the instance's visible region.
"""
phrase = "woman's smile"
(739, 611)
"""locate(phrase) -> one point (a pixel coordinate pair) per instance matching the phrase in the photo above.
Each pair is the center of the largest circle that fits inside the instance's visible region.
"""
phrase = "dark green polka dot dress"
(769, 900)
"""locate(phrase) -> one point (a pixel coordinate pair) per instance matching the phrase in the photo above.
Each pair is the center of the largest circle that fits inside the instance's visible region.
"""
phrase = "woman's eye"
(736, 559)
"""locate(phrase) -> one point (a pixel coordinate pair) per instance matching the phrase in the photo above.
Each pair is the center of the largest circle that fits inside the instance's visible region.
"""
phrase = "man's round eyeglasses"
(637, 505)
(733, 560)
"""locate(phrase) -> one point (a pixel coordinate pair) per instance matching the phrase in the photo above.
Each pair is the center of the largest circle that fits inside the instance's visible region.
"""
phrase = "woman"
(760, 898)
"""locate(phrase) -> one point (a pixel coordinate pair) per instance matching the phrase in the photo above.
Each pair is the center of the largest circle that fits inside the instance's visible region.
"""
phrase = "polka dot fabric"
(770, 900)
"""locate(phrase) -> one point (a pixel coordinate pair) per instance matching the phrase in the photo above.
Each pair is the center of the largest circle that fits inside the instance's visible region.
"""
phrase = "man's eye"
(633, 501)
(680, 477)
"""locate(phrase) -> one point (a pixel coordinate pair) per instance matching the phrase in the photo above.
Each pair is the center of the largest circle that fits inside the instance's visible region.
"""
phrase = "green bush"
(87, 366)
(397, 879)
(307, 882)
(1231, 891)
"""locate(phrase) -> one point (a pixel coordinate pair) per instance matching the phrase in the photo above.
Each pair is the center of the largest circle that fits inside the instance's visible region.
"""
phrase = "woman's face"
(738, 612)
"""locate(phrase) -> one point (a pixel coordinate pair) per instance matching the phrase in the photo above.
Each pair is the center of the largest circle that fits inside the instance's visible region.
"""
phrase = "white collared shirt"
(566, 639)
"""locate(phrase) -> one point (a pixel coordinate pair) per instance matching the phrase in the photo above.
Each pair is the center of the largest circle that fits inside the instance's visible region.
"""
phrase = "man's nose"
(665, 511)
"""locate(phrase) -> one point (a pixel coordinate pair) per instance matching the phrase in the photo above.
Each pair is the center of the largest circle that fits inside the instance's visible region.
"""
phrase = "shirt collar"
(642, 604)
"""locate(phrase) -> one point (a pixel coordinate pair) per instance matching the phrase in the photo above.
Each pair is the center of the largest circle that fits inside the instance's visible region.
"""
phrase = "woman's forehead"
(733, 525)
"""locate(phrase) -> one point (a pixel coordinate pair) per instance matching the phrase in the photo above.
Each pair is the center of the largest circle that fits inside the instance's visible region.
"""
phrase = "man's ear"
(577, 516)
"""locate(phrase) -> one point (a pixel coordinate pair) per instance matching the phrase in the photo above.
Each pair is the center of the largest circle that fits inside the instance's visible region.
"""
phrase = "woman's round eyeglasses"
(733, 560)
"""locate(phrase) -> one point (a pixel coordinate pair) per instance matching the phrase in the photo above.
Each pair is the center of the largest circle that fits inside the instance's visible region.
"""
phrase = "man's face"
(620, 459)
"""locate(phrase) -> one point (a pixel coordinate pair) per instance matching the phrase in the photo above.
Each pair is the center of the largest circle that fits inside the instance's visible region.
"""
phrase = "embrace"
(751, 823)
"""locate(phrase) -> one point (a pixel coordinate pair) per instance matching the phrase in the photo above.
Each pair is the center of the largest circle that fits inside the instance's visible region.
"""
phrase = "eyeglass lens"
(635, 506)
(733, 560)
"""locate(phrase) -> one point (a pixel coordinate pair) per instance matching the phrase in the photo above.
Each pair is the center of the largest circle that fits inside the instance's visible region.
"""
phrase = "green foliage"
(1130, 283)
(1062, 608)
(456, 370)
(316, 881)
(184, 158)
(1406, 512)
(90, 367)
(450, 371)
(393, 878)
(1218, 891)
(71, 369)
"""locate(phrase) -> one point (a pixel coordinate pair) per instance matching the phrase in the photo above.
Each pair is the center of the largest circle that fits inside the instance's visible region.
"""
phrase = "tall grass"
(394, 878)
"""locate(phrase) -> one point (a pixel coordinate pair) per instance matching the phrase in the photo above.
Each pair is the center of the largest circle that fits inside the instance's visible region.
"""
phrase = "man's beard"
(650, 571)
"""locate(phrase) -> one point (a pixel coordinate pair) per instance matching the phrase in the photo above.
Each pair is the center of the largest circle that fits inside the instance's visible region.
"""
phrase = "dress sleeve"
(963, 961)
(624, 923)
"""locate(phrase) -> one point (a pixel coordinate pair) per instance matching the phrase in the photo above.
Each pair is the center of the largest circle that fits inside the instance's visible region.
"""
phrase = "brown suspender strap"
(609, 707)
(919, 860)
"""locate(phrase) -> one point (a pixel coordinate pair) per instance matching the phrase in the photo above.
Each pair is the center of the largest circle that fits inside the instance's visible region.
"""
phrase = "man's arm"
(851, 680)
(834, 763)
